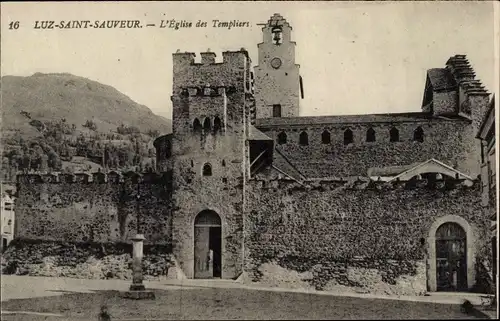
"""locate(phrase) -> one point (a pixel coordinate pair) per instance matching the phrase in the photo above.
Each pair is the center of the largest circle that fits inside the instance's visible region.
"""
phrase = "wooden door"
(451, 260)
(202, 264)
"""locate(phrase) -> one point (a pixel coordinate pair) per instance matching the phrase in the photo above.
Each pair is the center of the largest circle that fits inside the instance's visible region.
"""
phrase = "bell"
(277, 38)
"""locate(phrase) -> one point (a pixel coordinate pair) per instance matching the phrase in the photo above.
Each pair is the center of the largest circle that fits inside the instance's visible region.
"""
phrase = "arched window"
(217, 124)
(196, 125)
(282, 138)
(418, 135)
(206, 124)
(394, 133)
(370, 135)
(223, 163)
(348, 137)
(325, 137)
(303, 139)
(207, 170)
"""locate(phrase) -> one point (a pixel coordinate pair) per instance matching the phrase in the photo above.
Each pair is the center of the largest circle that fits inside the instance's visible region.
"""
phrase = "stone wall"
(449, 141)
(65, 208)
(369, 236)
(87, 260)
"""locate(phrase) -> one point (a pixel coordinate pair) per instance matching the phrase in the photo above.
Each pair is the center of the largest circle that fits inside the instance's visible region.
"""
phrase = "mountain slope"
(49, 97)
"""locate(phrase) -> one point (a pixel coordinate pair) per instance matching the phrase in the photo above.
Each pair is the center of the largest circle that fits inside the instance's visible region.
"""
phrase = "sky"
(355, 57)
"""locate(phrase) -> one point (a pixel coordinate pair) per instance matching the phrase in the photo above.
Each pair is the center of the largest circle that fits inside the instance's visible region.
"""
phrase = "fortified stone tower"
(278, 85)
(210, 114)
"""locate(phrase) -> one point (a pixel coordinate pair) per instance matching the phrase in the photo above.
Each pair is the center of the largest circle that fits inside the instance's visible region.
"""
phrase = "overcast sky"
(354, 57)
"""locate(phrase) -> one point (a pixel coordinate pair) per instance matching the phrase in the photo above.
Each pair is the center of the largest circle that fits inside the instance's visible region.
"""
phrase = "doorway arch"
(451, 258)
(446, 237)
(207, 245)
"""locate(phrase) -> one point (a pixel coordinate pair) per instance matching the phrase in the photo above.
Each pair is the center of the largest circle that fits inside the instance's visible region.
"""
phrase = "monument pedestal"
(137, 290)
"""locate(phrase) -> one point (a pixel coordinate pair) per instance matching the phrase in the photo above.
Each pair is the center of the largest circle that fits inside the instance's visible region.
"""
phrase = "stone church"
(239, 150)
(247, 189)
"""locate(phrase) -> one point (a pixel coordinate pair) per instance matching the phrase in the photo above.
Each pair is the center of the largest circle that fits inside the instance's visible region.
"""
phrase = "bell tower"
(278, 85)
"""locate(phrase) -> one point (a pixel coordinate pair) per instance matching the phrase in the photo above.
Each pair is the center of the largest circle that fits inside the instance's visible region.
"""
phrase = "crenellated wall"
(360, 233)
(94, 207)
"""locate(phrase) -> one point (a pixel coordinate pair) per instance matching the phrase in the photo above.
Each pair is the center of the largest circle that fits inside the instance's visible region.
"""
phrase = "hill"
(76, 99)
(65, 122)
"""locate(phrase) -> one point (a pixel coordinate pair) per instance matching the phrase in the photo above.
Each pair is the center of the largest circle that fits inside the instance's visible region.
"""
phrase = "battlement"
(208, 58)
(208, 78)
(112, 177)
(440, 182)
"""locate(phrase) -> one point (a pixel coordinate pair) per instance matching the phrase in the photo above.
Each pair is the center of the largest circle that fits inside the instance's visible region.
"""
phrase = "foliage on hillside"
(61, 122)
(60, 142)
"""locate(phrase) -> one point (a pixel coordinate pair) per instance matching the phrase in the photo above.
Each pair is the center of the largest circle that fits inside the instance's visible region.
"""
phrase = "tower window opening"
(370, 135)
(277, 36)
(196, 125)
(348, 139)
(277, 110)
(207, 170)
(303, 139)
(394, 134)
(206, 124)
(282, 138)
(418, 135)
(325, 137)
(217, 124)
(223, 163)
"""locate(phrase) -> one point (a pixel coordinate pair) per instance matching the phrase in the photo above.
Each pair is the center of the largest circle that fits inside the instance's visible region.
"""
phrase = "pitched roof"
(389, 170)
(441, 79)
(284, 165)
(431, 166)
(255, 134)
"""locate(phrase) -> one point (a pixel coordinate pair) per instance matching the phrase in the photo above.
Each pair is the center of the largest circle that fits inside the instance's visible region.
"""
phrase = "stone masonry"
(328, 201)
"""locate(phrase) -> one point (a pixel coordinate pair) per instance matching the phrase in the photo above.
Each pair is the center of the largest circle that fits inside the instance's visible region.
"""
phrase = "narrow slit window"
(325, 137)
(277, 110)
(282, 138)
(303, 139)
(207, 170)
(348, 139)
(370, 135)
(217, 124)
(394, 134)
(206, 124)
(196, 125)
(418, 135)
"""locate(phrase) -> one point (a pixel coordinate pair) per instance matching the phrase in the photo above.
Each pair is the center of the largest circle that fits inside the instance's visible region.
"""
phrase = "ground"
(72, 299)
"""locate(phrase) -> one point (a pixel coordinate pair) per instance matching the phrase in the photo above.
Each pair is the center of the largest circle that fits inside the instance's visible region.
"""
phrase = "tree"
(90, 124)
(44, 167)
(54, 162)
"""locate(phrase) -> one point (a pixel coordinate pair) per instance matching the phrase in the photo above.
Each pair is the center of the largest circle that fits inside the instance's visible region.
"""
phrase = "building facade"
(487, 136)
(239, 151)
(245, 186)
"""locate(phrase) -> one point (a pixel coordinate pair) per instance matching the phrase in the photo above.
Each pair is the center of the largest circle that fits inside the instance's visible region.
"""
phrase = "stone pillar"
(137, 289)
(137, 253)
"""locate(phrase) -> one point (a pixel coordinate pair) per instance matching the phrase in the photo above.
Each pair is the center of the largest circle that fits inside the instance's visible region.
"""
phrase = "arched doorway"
(207, 245)
(451, 258)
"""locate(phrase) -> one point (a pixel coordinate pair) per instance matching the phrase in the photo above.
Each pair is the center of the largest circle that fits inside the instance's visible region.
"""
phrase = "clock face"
(276, 63)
